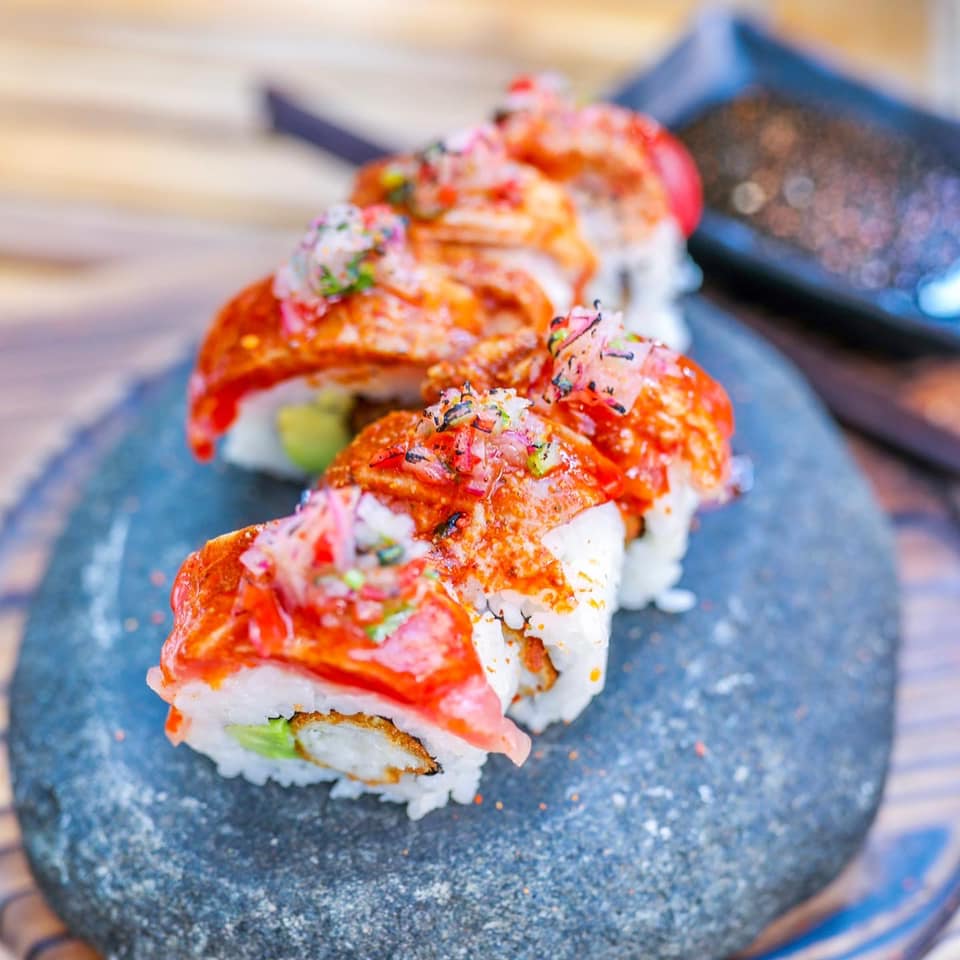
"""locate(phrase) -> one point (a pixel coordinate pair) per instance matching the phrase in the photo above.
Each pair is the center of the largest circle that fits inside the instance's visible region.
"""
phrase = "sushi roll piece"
(637, 193)
(322, 647)
(464, 196)
(520, 516)
(345, 329)
(656, 414)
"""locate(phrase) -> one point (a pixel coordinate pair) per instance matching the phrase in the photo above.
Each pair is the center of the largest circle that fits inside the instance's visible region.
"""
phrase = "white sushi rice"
(654, 561)
(657, 271)
(500, 659)
(253, 441)
(590, 550)
(548, 274)
(254, 695)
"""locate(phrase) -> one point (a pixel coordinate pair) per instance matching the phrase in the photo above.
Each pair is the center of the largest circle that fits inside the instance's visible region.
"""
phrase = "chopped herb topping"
(469, 167)
(535, 93)
(545, 458)
(389, 625)
(338, 541)
(471, 439)
(595, 361)
(346, 251)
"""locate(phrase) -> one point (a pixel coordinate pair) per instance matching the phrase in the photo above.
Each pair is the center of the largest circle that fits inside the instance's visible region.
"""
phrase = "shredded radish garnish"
(471, 439)
(346, 251)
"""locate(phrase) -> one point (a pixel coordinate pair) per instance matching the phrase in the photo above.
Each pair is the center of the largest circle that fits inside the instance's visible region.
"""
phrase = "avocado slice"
(312, 434)
(272, 739)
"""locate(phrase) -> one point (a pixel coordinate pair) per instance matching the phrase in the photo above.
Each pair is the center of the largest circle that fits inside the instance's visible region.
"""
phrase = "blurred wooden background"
(133, 150)
(135, 167)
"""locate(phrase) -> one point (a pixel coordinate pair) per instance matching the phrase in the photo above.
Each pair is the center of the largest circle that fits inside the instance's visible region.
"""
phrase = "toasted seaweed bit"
(272, 739)
(563, 383)
(448, 526)
(458, 414)
(390, 554)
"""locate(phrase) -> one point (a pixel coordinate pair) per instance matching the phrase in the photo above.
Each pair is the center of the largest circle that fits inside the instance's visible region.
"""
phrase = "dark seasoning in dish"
(862, 200)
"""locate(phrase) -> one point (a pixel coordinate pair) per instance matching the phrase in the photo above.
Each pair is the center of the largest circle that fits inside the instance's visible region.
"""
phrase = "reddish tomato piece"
(680, 178)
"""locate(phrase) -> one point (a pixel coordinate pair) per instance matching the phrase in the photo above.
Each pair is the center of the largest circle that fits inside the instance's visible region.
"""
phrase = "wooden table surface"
(138, 187)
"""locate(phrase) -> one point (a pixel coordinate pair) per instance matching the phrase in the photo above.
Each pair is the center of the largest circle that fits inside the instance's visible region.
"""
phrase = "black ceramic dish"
(720, 58)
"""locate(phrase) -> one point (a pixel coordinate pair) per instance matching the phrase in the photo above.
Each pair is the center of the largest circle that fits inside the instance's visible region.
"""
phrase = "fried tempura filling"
(537, 672)
(367, 748)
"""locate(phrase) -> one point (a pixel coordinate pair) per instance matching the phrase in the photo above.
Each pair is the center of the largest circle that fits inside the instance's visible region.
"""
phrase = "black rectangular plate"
(716, 60)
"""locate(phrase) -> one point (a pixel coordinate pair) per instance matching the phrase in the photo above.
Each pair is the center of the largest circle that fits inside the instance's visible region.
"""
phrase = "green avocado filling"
(312, 434)
(272, 739)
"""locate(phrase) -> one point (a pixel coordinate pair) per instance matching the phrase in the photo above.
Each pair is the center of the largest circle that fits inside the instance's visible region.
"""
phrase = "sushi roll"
(656, 414)
(465, 197)
(637, 193)
(345, 329)
(520, 516)
(322, 647)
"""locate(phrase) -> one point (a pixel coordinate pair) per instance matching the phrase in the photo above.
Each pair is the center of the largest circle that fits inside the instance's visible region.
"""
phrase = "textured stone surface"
(619, 838)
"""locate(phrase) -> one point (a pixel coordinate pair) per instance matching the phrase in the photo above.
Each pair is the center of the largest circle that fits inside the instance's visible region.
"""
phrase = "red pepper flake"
(499, 804)
(573, 755)
(526, 890)
(119, 735)
(700, 748)
(158, 578)
(574, 797)
(538, 754)
(478, 799)
(158, 616)
(447, 195)
(542, 806)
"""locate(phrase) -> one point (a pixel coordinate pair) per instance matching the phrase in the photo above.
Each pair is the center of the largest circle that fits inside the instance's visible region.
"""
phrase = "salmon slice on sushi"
(323, 647)
(656, 414)
(465, 196)
(344, 330)
(520, 517)
(637, 192)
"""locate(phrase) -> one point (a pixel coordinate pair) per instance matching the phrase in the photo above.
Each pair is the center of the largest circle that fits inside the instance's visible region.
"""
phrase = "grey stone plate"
(729, 770)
